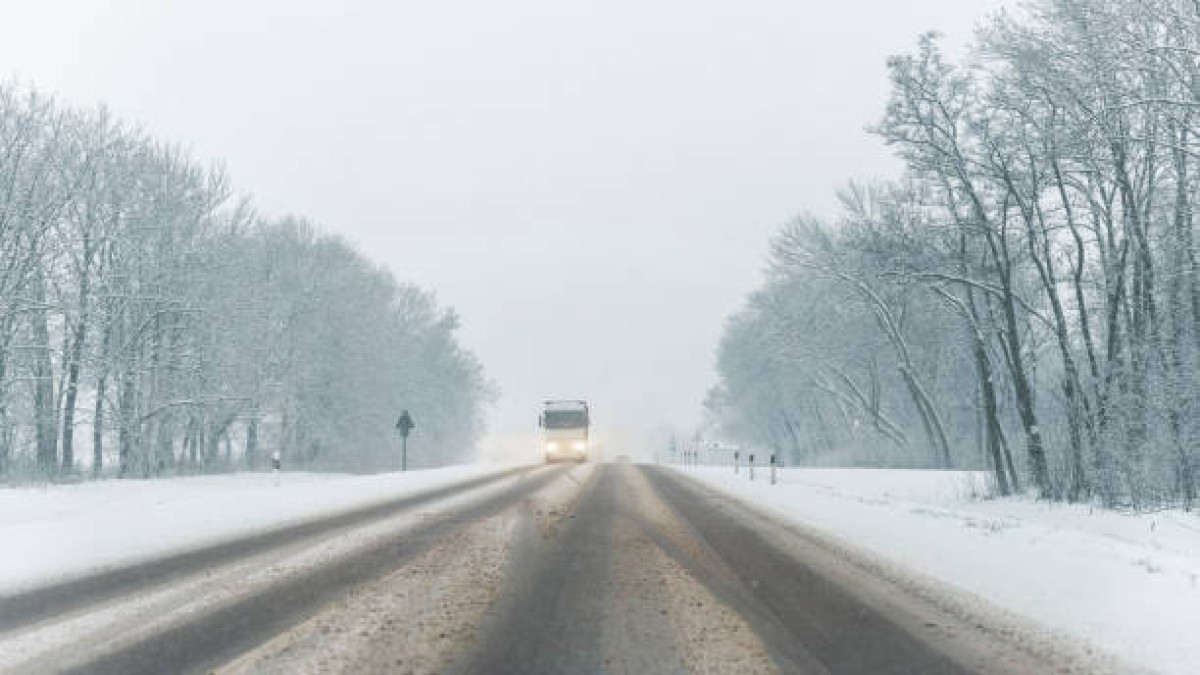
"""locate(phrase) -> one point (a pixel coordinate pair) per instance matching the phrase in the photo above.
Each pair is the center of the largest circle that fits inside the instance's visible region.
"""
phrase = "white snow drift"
(55, 533)
(1129, 583)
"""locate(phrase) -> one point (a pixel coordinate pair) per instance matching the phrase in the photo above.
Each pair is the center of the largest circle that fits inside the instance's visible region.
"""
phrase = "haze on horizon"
(590, 185)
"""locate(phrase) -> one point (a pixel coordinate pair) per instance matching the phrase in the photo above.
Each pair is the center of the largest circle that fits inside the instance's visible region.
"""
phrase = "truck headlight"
(579, 445)
(552, 446)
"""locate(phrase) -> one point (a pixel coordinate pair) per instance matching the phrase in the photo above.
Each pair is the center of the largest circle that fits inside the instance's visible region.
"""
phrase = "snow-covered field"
(1129, 583)
(59, 532)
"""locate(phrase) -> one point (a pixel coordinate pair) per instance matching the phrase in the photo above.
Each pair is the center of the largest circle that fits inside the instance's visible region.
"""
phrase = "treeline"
(151, 322)
(1026, 296)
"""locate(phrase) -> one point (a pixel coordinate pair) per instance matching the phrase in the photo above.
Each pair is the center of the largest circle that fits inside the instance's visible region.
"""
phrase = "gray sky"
(591, 184)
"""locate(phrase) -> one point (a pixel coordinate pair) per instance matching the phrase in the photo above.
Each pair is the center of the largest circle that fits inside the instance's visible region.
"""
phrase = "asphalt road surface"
(610, 568)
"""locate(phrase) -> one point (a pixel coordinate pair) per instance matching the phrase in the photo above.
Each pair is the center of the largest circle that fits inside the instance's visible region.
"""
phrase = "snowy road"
(612, 568)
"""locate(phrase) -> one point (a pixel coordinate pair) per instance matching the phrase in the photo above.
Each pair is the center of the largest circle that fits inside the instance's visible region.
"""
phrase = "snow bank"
(58, 532)
(1127, 582)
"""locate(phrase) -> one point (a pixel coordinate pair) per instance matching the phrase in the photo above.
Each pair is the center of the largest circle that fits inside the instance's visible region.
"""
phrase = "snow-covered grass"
(1129, 583)
(53, 533)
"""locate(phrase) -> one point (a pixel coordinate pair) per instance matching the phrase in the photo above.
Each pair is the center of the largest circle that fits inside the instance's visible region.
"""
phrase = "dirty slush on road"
(628, 569)
(567, 580)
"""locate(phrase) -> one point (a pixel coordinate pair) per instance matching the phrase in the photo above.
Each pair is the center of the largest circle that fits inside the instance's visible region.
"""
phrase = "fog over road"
(607, 568)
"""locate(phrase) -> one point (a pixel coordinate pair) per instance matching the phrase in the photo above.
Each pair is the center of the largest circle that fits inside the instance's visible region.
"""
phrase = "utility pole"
(404, 425)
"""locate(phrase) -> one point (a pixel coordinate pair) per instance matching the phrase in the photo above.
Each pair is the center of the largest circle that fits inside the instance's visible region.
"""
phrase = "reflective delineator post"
(772, 469)
(737, 461)
(751, 467)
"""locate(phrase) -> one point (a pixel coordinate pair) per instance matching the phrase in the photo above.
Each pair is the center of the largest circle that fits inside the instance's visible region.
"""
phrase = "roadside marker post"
(772, 469)
(737, 461)
(751, 467)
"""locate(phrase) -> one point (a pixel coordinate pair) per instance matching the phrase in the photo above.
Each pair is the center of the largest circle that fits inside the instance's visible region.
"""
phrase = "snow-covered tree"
(142, 301)
(1033, 274)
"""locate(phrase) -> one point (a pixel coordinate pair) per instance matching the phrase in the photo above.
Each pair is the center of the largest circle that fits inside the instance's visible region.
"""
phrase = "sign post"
(404, 425)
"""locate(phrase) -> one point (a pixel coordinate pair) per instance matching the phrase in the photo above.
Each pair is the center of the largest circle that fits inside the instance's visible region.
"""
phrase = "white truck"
(564, 426)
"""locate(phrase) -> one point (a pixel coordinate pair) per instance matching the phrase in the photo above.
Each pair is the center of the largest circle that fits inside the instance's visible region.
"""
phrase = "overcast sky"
(590, 184)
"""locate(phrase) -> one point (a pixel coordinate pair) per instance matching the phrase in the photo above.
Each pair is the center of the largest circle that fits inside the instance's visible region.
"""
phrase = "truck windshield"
(565, 419)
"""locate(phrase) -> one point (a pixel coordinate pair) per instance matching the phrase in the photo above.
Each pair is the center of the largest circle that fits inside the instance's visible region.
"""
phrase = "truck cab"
(564, 430)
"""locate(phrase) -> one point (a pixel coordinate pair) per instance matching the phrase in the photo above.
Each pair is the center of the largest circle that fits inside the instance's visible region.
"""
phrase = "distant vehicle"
(564, 426)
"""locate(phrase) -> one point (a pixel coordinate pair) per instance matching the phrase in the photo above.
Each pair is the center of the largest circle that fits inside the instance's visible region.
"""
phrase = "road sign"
(404, 425)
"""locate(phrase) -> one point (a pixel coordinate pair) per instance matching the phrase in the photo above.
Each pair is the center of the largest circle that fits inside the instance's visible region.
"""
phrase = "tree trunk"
(991, 415)
(73, 371)
(98, 427)
(1185, 268)
(252, 443)
(6, 429)
(101, 392)
(1026, 408)
(192, 442)
(127, 417)
(45, 415)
